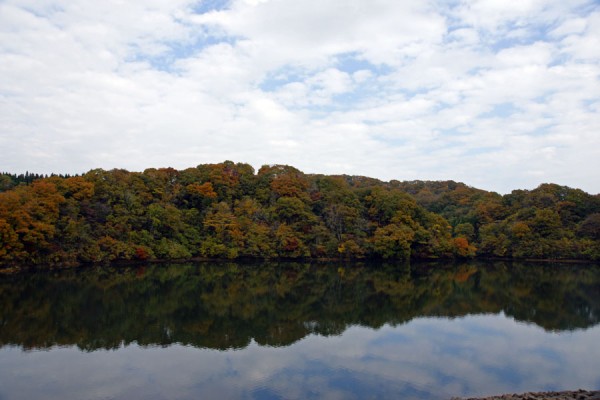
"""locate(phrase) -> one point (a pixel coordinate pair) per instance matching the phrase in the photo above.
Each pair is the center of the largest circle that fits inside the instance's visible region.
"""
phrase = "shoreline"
(563, 395)
(16, 268)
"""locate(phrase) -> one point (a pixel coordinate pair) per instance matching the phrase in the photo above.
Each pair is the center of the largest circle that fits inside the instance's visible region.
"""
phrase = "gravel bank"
(574, 395)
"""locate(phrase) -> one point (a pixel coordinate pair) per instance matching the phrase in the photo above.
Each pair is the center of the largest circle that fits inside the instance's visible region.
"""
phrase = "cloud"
(498, 96)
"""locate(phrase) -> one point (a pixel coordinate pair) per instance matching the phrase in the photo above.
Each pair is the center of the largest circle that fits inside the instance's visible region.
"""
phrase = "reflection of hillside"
(227, 305)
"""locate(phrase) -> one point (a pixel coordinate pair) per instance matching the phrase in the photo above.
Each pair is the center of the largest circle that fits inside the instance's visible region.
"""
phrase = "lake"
(296, 331)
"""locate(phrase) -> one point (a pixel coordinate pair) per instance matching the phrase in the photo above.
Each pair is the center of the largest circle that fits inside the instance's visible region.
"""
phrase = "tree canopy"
(229, 210)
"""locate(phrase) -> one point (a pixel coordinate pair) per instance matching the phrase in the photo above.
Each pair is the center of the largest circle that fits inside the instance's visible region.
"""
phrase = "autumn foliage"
(228, 210)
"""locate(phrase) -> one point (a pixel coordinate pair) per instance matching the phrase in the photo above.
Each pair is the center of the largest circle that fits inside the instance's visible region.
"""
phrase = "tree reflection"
(226, 305)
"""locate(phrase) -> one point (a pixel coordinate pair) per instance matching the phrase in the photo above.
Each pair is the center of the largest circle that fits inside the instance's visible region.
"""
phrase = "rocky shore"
(573, 395)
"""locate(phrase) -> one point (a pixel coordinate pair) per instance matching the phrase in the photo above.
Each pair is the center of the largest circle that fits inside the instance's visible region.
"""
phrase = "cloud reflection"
(427, 358)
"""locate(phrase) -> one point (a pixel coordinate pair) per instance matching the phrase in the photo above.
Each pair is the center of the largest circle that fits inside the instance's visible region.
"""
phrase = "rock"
(568, 395)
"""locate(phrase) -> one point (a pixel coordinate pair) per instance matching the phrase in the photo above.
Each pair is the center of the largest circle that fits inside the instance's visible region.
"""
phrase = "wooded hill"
(228, 210)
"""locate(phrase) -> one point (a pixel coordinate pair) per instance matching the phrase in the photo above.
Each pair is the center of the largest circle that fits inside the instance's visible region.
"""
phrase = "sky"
(498, 94)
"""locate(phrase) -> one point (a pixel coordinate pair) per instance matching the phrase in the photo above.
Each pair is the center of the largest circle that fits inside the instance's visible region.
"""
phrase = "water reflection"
(295, 331)
(225, 306)
(427, 358)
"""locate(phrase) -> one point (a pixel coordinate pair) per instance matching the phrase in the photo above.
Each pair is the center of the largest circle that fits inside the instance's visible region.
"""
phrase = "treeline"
(8, 180)
(228, 210)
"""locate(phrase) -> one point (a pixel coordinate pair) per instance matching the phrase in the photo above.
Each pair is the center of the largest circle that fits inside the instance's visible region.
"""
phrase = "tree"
(465, 230)
(590, 227)
(31, 212)
(494, 240)
(289, 243)
(393, 241)
(462, 247)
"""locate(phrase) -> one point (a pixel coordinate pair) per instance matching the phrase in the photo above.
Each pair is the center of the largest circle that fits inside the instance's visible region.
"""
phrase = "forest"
(230, 211)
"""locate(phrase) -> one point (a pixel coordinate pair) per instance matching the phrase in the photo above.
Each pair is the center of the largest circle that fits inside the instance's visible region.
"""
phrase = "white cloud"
(308, 33)
(570, 26)
(539, 53)
(471, 91)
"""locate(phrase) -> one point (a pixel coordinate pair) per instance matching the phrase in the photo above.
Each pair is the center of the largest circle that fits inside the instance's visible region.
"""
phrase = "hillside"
(229, 210)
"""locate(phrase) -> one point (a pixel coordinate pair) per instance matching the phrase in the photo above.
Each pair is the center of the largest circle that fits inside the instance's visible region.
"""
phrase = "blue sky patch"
(352, 62)
(502, 110)
(281, 77)
(205, 6)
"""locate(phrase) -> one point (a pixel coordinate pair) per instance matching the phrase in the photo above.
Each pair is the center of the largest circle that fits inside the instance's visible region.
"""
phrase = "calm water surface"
(296, 331)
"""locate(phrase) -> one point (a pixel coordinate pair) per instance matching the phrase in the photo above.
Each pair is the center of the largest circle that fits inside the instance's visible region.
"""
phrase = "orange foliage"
(204, 190)
(462, 248)
(290, 185)
(31, 213)
(77, 187)
(141, 253)
(520, 230)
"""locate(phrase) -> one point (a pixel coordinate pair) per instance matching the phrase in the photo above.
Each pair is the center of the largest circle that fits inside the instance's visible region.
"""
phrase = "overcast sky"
(498, 94)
